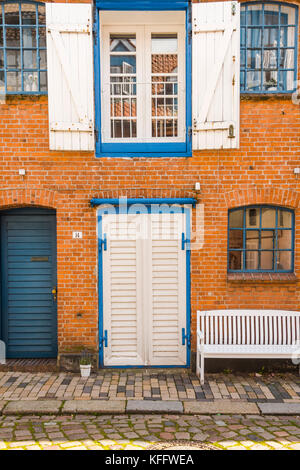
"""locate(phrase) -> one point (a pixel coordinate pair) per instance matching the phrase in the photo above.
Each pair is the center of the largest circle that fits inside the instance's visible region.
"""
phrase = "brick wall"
(261, 171)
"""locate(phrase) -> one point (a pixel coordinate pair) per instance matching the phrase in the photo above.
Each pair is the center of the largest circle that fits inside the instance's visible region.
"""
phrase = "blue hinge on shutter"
(186, 338)
(103, 339)
(185, 241)
(103, 243)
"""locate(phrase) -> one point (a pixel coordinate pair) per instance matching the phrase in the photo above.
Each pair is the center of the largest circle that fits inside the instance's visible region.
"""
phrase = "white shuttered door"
(70, 76)
(216, 70)
(144, 290)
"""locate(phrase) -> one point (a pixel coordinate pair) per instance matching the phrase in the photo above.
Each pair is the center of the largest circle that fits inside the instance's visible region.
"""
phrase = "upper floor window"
(261, 238)
(268, 47)
(143, 82)
(23, 66)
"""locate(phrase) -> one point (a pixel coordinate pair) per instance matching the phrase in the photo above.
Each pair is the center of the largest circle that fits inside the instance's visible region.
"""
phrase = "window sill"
(264, 278)
(266, 96)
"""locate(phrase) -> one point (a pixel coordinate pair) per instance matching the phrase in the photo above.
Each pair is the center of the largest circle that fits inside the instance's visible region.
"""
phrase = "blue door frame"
(28, 314)
(138, 209)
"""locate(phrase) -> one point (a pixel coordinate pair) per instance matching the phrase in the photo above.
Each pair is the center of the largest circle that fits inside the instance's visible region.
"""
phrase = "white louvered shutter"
(70, 76)
(144, 290)
(216, 71)
(122, 292)
(166, 303)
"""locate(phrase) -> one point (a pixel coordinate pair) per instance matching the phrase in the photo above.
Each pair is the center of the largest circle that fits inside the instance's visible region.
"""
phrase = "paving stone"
(2, 405)
(220, 407)
(28, 407)
(93, 406)
(142, 406)
(279, 408)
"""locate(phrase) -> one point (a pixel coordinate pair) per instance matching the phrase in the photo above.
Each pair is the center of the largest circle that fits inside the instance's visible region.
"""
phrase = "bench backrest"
(249, 327)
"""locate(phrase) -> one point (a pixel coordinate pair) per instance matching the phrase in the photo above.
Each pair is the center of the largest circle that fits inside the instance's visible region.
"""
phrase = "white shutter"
(70, 76)
(144, 290)
(216, 71)
(122, 292)
(167, 297)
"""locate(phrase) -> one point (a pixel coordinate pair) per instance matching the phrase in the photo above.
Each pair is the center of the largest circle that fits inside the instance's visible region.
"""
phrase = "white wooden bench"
(246, 334)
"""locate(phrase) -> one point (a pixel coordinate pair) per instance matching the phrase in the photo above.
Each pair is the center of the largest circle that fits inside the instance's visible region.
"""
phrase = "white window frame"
(143, 25)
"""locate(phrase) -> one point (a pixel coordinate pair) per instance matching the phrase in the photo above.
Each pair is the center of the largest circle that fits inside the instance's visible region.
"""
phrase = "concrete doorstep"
(108, 407)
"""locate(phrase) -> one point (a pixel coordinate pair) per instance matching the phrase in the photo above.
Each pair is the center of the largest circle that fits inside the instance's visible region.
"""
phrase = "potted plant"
(85, 363)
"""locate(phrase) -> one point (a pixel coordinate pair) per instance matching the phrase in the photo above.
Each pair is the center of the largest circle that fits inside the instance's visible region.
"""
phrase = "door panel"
(144, 290)
(122, 293)
(28, 275)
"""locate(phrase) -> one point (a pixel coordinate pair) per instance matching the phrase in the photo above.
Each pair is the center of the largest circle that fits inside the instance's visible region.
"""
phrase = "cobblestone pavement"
(150, 385)
(140, 432)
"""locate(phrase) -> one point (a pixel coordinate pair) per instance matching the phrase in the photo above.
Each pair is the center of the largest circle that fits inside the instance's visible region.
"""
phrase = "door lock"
(54, 293)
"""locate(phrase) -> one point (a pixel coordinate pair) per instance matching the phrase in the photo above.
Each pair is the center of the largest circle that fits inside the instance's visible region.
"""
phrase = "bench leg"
(202, 369)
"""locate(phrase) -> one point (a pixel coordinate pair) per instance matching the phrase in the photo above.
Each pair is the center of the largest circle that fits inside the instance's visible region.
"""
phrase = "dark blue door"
(28, 276)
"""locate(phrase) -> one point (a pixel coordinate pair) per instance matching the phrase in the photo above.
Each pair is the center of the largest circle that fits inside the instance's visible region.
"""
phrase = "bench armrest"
(200, 339)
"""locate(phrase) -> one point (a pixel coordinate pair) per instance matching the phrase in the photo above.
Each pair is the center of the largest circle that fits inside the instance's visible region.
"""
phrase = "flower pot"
(85, 370)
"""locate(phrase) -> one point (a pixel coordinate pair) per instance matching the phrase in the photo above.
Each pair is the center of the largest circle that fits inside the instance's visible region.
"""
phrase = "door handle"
(54, 293)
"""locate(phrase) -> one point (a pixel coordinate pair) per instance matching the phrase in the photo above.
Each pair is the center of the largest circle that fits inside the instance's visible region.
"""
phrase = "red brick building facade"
(261, 171)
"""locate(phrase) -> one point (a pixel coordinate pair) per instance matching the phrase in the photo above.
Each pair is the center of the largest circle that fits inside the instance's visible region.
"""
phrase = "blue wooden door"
(28, 276)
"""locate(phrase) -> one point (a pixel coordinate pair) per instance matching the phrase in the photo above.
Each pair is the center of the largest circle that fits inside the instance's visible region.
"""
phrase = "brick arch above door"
(10, 198)
(267, 195)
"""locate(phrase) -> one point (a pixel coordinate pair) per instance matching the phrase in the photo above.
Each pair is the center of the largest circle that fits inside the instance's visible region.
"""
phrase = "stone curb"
(101, 407)
(279, 408)
(220, 407)
(94, 407)
(152, 406)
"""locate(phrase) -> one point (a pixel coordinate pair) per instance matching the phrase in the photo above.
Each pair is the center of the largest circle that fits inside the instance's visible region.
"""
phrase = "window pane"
(29, 37)
(43, 81)
(287, 37)
(43, 59)
(266, 260)
(270, 81)
(1, 37)
(252, 217)
(28, 13)
(284, 260)
(14, 82)
(254, 37)
(254, 59)
(12, 37)
(287, 58)
(252, 239)
(236, 218)
(11, 12)
(253, 81)
(164, 63)
(270, 59)
(268, 217)
(164, 43)
(30, 81)
(122, 64)
(236, 239)
(254, 15)
(235, 260)
(29, 60)
(41, 14)
(1, 59)
(288, 15)
(287, 81)
(42, 37)
(284, 239)
(13, 58)
(252, 258)
(271, 14)
(122, 43)
(2, 83)
(270, 37)
(267, 239)
(284, 219)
